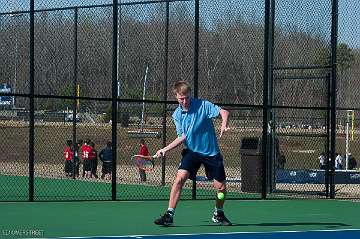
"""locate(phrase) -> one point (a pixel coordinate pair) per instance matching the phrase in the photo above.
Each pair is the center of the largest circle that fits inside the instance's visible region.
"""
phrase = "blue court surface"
(328, 234)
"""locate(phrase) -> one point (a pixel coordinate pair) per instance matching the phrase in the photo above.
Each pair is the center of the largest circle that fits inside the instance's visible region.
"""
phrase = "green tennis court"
(58, 189)
(94, 219)
(43, 219)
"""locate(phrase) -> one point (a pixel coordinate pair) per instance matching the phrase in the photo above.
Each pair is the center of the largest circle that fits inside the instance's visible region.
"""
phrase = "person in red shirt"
(86, 150)
(94, 159)
(143, 150)
(68, 155)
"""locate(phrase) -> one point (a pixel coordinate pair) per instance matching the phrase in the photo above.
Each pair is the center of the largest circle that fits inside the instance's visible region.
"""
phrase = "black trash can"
(251, 165)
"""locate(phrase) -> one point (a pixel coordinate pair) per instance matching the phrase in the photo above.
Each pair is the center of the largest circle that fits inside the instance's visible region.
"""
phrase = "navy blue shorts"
(87, 165)
(214, 165)
(68, 166)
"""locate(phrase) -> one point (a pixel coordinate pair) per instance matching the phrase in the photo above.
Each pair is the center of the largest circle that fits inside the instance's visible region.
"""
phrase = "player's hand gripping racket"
(143, 162)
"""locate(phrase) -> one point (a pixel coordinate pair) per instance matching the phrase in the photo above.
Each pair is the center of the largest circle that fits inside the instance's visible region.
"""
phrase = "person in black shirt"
(105, 156)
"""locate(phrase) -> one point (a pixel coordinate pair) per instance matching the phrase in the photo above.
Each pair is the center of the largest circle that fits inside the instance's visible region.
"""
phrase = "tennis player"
(86, 150)
(143, 150)
(194, 127)
(68, 154)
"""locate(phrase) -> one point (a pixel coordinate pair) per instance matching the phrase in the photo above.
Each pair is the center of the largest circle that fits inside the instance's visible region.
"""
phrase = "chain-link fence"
(76, 75)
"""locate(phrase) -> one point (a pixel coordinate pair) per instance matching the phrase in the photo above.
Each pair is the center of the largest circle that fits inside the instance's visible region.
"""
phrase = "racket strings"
(143, 163)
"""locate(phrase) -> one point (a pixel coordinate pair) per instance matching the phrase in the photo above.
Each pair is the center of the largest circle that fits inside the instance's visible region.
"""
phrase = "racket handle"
(155, 156)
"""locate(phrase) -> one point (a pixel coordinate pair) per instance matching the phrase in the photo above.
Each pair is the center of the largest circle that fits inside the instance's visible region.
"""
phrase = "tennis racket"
(143, 162)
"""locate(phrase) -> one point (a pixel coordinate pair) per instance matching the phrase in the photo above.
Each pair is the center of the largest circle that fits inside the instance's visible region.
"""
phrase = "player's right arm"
(172, 145)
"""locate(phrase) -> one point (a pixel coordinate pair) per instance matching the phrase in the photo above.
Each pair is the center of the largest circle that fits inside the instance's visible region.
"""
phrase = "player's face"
(184, 100)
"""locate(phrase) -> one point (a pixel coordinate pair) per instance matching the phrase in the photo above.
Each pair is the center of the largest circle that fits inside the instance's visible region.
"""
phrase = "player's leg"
(188, 167)
(77, 169)
(219, 215)
(220, 187)
(109, 171)
(94, 168)
(214, 167)
(71, 166)
(103, 171)
(83, 172)
(142, 174)
(181, 177)
(65, 169)
(167, 219)
(87, 168)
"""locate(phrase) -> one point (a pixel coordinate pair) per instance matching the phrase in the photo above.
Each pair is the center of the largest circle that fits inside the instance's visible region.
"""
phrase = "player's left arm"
(224, 124)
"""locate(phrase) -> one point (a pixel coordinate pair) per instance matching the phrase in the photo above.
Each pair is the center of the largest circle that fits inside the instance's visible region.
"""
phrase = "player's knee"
(220, 186)
(180, 179)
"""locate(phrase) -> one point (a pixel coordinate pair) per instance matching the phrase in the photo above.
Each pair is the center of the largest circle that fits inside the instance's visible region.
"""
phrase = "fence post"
(164, 123)
(334, 33)
(31, 99)
(114, 99)
(196, 69)
(265, 99)
(75, 84)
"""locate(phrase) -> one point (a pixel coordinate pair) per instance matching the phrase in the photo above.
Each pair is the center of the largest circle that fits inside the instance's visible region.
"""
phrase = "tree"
(345, 60)
(345, 57)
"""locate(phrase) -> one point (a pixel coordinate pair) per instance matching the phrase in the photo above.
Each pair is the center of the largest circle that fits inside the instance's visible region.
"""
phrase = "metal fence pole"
(114, 99)
(265, 99)
(166, 56)
(31, 99)
(196, 69)
(328, 120)
(75, 84)
(271, 114)
(334, 33)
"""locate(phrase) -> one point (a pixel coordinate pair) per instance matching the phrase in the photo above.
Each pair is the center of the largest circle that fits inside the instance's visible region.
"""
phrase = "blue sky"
(349, 12)
(349, 22)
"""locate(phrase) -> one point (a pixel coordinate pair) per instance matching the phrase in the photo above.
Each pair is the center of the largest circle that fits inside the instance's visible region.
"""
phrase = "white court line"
(216, 233)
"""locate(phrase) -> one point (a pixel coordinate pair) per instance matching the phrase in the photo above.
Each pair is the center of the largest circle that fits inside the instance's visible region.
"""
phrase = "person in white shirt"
(338, 161)
(322, 159)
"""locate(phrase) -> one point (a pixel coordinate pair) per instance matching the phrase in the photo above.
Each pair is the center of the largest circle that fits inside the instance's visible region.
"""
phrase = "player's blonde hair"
(181, 87)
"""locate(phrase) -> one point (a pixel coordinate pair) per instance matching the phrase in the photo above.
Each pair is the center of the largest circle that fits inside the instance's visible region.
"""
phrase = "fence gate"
(299, 86)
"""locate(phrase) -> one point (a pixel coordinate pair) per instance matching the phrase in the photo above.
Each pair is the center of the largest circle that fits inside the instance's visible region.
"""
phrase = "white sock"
(171, 211)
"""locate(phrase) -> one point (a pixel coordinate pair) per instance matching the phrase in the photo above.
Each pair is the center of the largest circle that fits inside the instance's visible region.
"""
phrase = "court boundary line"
(215, 233)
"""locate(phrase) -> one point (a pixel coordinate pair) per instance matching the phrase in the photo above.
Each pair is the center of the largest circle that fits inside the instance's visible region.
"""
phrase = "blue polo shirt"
(196, 124)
